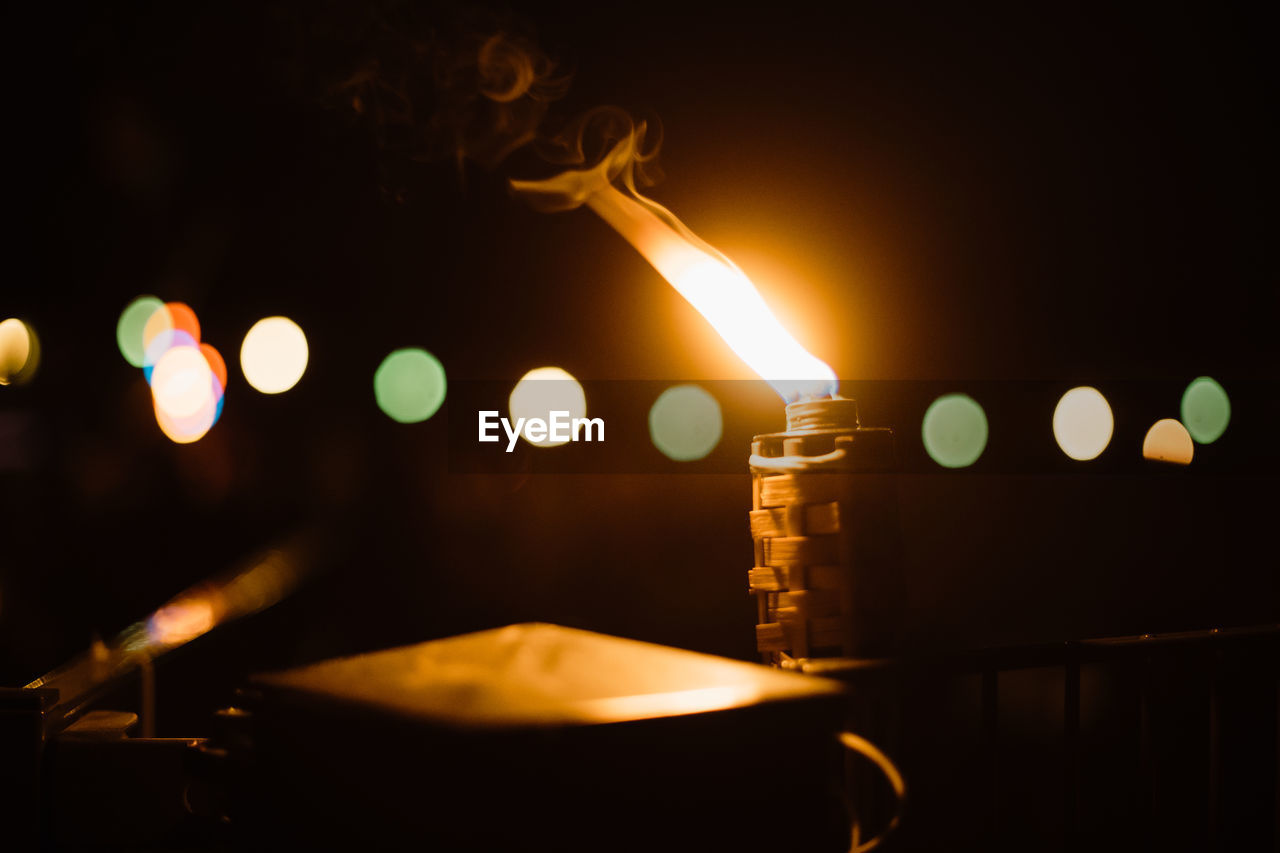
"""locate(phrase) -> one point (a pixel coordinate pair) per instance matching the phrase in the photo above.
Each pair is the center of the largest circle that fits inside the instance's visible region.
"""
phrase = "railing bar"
(1046, 654)
(991, 745)
(1071, 736)
(1146, 759)
(1215, 756)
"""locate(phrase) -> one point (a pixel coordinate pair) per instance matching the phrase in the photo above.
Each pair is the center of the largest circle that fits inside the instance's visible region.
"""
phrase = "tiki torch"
(826, 578)
(824, 575)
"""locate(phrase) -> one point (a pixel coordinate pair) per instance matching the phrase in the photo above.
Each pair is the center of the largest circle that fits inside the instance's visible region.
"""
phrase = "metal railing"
(1167, 741)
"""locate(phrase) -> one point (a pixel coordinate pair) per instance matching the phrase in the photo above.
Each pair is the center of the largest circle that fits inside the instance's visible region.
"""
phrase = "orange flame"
(711, 282)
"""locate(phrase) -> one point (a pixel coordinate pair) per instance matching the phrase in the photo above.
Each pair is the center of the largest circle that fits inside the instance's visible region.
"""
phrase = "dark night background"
(1065, 195)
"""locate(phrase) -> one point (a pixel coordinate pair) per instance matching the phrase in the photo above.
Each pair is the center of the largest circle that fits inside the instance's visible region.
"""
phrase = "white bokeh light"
(1083, 423)
(274, 355)
(542, 391)
(182, 382)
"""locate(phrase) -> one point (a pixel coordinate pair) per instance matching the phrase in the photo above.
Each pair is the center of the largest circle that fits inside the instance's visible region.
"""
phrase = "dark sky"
(1021, 194)
(962, 194)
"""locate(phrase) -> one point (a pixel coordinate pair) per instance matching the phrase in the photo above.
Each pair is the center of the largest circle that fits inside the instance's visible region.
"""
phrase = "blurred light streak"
(253, 586)
(181, 621)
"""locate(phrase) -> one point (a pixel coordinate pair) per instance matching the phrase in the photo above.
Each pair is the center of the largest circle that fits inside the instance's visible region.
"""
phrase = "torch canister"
(827, 576)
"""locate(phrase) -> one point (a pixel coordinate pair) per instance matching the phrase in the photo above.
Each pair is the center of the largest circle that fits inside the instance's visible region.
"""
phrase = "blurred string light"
(187, 388)
(1083, 423)
(181, 381)
(1168, 441)
(129, 328)
(171, 325)
(685, 423)
(19, 352)
(1206, 410)
(274, 355)
(542, 391)
(954, 430)
(409, 385)
(188, 378)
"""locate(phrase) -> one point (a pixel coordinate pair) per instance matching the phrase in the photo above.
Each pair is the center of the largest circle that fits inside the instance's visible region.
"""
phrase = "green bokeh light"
(1206, 410)
(685, 423)
(409, 385)
(955, 430)
(133, 319)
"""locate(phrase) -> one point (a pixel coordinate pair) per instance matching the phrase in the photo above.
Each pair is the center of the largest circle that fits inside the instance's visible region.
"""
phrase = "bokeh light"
(1168, 441)
(1083, 423)
(168, 324)
(954, 430)
(19, 352)
(274, 355)
(188, 378)
(216, 364)
(410, 385)
(685, 423)
(1206, 410)
(182, 381)
(161, 344)
(183, 410)
(130, 326)
(189, 428)
(171, 325)
(542, 391)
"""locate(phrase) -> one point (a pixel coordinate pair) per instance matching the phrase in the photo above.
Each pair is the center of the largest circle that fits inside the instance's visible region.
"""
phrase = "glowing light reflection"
(698, 700)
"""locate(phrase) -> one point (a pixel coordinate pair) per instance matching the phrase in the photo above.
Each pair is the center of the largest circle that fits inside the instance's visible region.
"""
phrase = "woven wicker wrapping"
(797, 579)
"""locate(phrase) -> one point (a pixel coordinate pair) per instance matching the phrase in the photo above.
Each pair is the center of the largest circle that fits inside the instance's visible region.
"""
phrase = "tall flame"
(711, 282)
